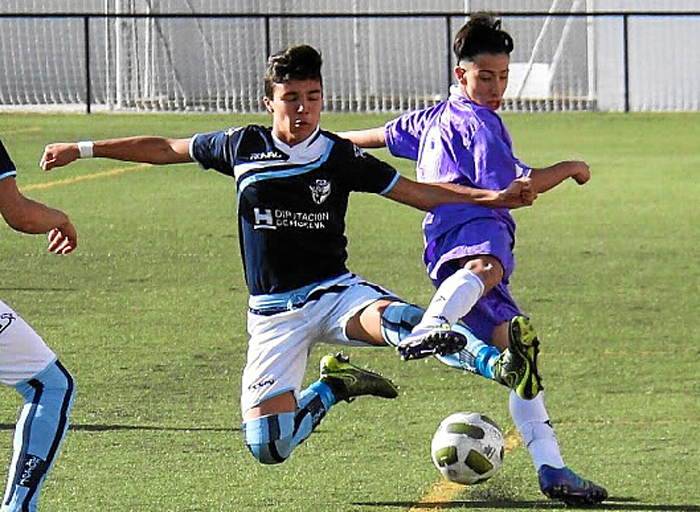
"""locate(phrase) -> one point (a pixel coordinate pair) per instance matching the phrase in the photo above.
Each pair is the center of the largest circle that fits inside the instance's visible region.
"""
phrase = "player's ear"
(268, 104)
(460, 74)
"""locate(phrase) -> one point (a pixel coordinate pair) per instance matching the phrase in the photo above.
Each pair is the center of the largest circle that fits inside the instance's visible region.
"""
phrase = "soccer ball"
(468, 448)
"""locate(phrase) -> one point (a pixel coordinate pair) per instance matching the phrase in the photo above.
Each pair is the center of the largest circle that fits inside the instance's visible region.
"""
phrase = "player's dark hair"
(295, 63)
(482, 34)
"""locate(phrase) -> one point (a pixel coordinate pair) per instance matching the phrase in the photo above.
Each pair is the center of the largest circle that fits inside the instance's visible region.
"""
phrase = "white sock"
(532, 420)
(454, 298)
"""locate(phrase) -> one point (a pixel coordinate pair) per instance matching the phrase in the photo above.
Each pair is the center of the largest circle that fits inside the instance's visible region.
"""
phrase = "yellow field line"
(444, 492)
(28, 129)
(94, 176)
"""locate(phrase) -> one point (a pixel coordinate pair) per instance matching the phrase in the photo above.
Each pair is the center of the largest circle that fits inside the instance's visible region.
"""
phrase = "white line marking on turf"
(444, 492)
(94, 176)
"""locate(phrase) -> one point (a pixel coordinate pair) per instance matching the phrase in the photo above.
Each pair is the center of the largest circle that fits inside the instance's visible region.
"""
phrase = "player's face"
(485, 79)
(296, 109)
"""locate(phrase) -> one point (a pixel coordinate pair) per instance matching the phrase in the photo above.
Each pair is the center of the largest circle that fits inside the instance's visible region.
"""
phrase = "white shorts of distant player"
(280, 344)
(23, 353)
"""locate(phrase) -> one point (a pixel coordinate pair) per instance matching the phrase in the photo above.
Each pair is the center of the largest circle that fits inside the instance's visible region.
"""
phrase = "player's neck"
(291, 141)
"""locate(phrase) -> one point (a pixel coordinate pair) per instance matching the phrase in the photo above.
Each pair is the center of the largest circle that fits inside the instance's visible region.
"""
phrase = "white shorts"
(280, 343)
(23, 353)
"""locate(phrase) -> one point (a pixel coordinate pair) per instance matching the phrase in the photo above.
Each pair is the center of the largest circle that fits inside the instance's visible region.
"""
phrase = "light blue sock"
(40, 430)
(477, 357)
(398, 320)
(271, 439)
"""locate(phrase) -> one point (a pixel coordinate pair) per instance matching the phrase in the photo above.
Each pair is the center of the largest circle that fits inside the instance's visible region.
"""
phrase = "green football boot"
(347, 381)
(516, 367)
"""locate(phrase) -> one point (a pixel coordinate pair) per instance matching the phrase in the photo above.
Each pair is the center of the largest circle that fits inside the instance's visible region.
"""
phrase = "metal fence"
(392, 61)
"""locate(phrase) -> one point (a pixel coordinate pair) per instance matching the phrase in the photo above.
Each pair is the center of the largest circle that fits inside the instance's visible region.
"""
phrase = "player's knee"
(272, 452)
(398, 320)
(487, 268)
(53, 383)
(270, 438)
(59, 382)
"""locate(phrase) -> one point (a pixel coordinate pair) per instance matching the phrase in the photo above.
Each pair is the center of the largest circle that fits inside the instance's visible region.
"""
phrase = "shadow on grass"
(612, 503)
(108, 428)
(41, 289)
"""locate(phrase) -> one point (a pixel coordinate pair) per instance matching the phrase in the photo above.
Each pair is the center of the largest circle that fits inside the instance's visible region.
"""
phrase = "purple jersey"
(457, 141)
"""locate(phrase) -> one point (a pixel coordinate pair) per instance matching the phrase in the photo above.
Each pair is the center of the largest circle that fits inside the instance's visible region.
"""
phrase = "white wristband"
(85, 148)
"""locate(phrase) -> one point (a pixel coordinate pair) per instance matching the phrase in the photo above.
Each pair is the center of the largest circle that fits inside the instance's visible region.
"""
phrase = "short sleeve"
(403, 134)
(7, 166)
(366, 173)
(213, 150)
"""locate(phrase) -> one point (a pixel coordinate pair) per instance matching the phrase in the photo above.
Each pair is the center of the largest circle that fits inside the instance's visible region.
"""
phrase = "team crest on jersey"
(5, 320)
(320, 190)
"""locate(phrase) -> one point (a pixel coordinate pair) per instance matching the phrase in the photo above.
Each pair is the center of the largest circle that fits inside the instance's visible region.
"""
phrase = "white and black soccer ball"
(468, 448)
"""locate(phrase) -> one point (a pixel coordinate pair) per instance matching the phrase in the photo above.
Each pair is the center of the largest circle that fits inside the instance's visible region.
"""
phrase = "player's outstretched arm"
(369, 138)
(152, 150)
(546, 178)
(426, 196)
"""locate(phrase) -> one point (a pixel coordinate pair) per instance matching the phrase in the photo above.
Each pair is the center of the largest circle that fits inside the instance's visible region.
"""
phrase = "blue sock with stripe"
(40, 429)
(271, 439)
(399, 319)
(477, 357)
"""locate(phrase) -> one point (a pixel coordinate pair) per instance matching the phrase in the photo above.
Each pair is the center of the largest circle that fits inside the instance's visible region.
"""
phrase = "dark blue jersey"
(7, 166)
(292, 201)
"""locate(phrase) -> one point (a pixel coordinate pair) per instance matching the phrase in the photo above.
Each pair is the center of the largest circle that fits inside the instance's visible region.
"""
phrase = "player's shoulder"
(472, 119)
(343, 147)
(250, 140)
(334, 137)
(251, 131)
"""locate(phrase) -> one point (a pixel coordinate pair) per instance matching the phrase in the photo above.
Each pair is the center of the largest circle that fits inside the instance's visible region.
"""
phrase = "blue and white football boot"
(564, 485)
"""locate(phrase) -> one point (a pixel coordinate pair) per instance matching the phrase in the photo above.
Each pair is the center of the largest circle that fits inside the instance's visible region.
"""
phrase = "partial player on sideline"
(27, 363)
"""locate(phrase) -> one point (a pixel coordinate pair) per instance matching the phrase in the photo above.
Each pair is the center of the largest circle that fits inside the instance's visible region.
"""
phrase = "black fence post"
(626, 60)
(268, 44)
(88, 87)
(448, 53)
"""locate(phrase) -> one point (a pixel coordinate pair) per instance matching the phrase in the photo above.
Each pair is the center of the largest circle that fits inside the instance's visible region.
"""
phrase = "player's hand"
(58, 155)
(581, 173)
(519, 193)
(63, 239)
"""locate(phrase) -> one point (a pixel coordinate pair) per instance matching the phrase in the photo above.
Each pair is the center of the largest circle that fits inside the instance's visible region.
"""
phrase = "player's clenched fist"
(59, 154)
(581, 173)
(63, 239)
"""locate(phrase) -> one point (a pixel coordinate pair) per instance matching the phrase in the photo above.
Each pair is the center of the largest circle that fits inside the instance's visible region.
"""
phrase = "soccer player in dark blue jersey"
(293, 181)
(27, 363)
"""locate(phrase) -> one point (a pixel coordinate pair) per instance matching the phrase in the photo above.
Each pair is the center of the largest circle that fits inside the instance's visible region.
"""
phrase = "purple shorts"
(479, 236)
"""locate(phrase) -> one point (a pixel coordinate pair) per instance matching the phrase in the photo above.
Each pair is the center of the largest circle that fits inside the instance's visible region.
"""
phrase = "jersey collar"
(297, 148)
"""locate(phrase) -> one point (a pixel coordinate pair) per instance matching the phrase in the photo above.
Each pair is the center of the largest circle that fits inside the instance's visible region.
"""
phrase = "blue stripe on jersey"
(8, 173)
(294, 171)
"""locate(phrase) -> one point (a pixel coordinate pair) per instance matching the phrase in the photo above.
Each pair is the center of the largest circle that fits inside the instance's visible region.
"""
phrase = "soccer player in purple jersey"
(27, 363)
(468, 248)
(293, 182)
